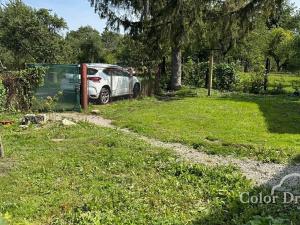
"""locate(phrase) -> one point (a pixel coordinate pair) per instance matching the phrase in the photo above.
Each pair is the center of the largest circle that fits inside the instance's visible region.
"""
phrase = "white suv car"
(106, 81)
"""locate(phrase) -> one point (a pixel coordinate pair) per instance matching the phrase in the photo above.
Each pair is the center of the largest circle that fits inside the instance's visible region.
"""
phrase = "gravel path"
(268, 174)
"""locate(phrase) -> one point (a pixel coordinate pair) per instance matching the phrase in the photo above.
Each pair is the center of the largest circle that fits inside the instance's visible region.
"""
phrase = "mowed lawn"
(265, 128)
(91, 175)
(288, 82)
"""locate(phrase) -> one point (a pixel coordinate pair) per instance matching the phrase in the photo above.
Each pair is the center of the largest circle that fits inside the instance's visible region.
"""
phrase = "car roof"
(102, 65)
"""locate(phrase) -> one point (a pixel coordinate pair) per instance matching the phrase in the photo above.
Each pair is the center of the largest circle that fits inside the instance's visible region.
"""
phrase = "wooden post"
(84, 88)
(1, 149)
(266, 75)
(211, 71)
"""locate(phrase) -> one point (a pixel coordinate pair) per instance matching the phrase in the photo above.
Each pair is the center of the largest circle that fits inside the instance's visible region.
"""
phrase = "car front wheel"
(104, 96)
(136, 90)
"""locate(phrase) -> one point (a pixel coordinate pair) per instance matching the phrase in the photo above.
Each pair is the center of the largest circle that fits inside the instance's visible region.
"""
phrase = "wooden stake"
(1, 149)
(211, 71)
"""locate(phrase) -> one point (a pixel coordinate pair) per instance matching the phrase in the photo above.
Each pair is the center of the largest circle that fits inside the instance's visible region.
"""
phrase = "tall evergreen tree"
(172, 21)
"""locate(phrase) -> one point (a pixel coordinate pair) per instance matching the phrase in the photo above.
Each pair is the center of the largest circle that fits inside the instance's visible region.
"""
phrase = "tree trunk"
(278, 65)
(146, 10)
(211, 71)
(207, 78)
(161, 71)
(1, 149)
(157, 81)
(176, 68)
(267, 71)
(246, 67)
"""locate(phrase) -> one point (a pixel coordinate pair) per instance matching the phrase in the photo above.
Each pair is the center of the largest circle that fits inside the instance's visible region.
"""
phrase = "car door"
(116, 80)
(126, 83)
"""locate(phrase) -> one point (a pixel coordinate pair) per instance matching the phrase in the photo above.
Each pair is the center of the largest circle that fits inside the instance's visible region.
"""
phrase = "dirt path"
(261, 173)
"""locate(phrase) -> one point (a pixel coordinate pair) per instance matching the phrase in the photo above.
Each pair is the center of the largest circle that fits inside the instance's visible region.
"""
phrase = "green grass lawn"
(287, 81)
(91, 175)
(259, 127)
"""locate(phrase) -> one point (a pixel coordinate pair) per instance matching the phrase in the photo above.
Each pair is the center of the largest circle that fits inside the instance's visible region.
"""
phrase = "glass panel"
(61, 82)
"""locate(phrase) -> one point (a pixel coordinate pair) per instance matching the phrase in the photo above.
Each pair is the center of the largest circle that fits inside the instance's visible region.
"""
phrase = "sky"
(78, 12)
(297, 2)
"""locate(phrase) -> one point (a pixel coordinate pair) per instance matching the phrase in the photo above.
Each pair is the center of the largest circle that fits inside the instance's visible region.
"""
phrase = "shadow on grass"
(282, 113)
(259, 205)
(296, 159)
(178, 95)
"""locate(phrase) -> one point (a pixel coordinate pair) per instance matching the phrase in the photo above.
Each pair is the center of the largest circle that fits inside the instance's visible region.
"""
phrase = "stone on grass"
(41, 118)
(58, 140)
(66, 122)
(34, 119)
(96, 112)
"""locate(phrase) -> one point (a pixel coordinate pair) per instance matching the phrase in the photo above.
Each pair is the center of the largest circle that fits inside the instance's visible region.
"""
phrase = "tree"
(251, 51)
(173, 21)
(294, 63)
(280, 46)
(30, 35)
(287, 17)
(86, 45)
(112, 45)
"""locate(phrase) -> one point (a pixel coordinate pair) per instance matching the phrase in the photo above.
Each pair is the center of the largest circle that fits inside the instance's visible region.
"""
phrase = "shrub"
(48, 104)
(2, 97)
(195, 74)
(253, 83)
(257, 83)
(225, 77)
(20, 87)
(296, 87)
(268, 221)
(278, 89)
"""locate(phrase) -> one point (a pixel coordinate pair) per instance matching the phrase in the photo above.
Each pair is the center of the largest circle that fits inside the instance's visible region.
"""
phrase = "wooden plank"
(6, 122)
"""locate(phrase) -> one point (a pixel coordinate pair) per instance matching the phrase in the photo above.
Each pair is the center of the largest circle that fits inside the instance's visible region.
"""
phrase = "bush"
(268, 221)
(48, 104)
(257, 84)
(225, 77)
(2, 97)
(20, 87)
(195, 74)
(296, 87)
(278, 89)
(253, 83)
